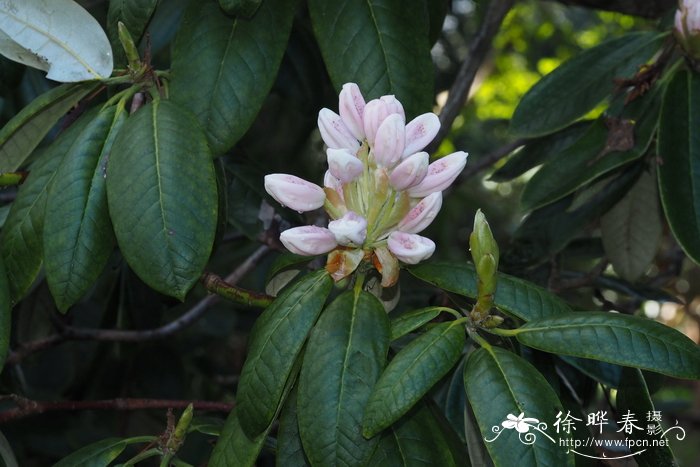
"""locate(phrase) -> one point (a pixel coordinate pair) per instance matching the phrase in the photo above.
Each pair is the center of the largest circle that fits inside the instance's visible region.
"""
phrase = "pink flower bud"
(376, 111)
(343, 165)
(334, 132)
(410, 172)
(308, 240)
(441, 174)
(410, 248)
(687, 27)
(331, 182)
(422, 214)
(389, 141)
(420, 131)
(351, 108)
(294, 192)
(349, 229)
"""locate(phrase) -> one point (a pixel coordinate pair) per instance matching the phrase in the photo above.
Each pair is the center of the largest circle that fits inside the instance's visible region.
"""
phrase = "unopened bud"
(410, 172)
(481, 241)
(344, 165)
(389, 141)
(294, 192)
(351, 108)
(420, 132)
(132, 54)
(376, 111)
(351, 229)
(334, 132)
(422, 214)
(441, 174)
(687, 27)
(410, 248)
(308, 240)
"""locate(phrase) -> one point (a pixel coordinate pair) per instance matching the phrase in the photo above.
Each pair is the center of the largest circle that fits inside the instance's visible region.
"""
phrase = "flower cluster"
(380, 190)
(687, 27)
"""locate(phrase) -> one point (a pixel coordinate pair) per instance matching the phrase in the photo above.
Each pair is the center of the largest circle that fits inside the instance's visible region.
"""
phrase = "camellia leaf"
(275, 342)
(554, 102)
(411, 374)
(615, 338)
(78, 236)
(56, 36)
(498, 384)
(23, 133)
(161, 191)
(679, 148)
(632, 229)
(101, 453)
(234, 447)
(223, 68)
(514, 296)
(135, 14)
(21, 238)
(382, 45)
(344, 357)
(5, 315)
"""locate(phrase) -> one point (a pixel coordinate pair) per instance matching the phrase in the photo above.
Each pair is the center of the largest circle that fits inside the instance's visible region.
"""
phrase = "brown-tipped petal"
(342, 263)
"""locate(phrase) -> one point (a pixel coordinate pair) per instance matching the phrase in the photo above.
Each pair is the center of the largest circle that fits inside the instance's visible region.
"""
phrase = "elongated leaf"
(411, 374)
(6, 453)
(78, 236)
(415, 440)
(290, 452)
(275, 343)
(513, 296)
(412, 320)
(234, 447)
(21, 237)
(344, 357)
(633, 395)
(679, 148)
(243, 8)
(382, 45)
(135, 14)
(581, 83)
(223, 68)
(100, 453)
(43, 35)
(23, 133)
(499, 383)
(632, 229)
(161, 191)
(615, 338)
(5, 315)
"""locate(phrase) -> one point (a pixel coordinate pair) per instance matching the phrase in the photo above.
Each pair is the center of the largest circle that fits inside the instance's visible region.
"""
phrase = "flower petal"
(422, 214)
(441, 174)
(376, 111)
(343, 165)
(389, 141)
(387, 265)
(410, 172)
(308, 240)
(420, 131)
(342, 263)
(351, 229)
(351, 108)
(334, 132)
(410, 248)
(294, 192)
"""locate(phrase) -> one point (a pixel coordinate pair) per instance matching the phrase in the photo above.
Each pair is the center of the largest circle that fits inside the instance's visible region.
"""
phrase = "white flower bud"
(334, 132)
(376, 111)
(441, 174)
(410, 172)
(420, 132)
(422, 214)
(410, 248)
(349, 229)
(308, 240)
(294, 192)
(343, 165)
(351, 108)
(389, 141)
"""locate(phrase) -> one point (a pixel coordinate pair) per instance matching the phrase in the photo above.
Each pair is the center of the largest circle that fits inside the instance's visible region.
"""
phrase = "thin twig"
(489, 159)
(27, 407)
(73, 333)
(481, 45)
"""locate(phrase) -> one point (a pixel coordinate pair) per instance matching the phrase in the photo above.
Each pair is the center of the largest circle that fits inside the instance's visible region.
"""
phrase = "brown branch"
(117, 335)
(27, 407)
(645, 8)
(481, 45)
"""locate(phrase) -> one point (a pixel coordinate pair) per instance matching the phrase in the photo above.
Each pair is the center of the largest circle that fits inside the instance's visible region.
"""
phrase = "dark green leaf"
(5, 315)
(223, 68)
(275, 343)
(615, 338)
(632, 229)
(290, 452)
(78, 236)
(161, 190)
(244, 199)
(244, 8)
(581, 83)
(500, 383)
(412, 320)
(24, 132)
(234, 447)
(437, 10)
(411, 374)
(540, 150)
(603, 372)
(101, 453)
(344, 357)
(415, 440)
(135, 14)
(679, 148)
(513, 296)
(382, 45)
(633, 396)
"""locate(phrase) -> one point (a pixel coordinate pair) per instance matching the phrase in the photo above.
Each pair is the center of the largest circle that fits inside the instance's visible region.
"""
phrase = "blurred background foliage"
(204, 360)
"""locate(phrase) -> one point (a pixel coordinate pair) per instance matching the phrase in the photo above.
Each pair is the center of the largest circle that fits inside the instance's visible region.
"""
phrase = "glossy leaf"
(23, 133)
(101, 453)
(679, 149)
(223, 68)
(382, 45)
(415, 440)
(412, 320)
(499, 383)
(234, 447)
(21, 238)
(78, 236)
(5, 315)
(290, 452)
(275, 343)
(161, 191)
(411, 374)
(135, 14)
(242, 8)
(633, 396)
(43, 35)
(344, 357)
(514, 296)
(615, 338)
(555, 102)
(632, 229)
